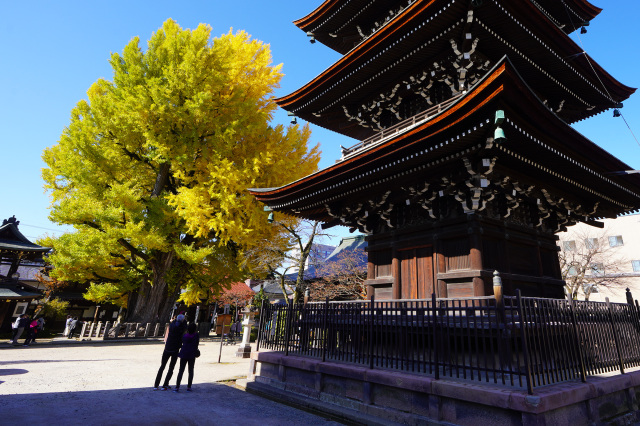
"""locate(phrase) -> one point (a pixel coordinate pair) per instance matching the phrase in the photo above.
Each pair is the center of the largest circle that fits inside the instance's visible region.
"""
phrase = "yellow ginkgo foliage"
(153, 168)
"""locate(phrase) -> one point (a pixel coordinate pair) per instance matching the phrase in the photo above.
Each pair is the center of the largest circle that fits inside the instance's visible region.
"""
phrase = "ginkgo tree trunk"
(153, 167)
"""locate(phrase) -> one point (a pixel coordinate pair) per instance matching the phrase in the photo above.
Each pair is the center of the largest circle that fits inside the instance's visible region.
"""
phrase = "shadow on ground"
(208, 404)
(12, 371)
(37, 361)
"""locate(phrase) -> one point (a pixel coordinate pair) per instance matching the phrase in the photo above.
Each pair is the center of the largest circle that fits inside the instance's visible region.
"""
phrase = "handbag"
(197, 353)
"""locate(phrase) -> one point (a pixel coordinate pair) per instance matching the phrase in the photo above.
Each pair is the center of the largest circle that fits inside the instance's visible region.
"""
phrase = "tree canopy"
(153, 167)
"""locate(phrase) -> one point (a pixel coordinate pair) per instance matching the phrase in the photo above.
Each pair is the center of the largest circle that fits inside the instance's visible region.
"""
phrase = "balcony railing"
(399, 127)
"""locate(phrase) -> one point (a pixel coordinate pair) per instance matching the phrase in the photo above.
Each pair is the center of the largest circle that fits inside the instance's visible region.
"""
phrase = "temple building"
(466, 162)
(17, 253)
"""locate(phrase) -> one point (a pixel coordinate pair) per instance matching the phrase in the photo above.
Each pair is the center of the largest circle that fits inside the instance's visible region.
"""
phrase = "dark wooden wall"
(456, 258)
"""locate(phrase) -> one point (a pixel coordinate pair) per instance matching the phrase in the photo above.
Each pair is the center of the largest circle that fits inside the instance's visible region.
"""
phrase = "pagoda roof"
(540, 148)
(335, 23)
(554, 66)
(12, 240)
(568, 14)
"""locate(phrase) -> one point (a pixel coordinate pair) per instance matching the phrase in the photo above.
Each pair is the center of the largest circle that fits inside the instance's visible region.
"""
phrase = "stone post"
(84, 328)
(106, 330)
(244, 348)
(117, 327)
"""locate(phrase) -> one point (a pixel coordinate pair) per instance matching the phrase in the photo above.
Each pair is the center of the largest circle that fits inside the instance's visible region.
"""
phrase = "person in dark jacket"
(171, 349)
(22, 324)
(190, 342)
(33, 332)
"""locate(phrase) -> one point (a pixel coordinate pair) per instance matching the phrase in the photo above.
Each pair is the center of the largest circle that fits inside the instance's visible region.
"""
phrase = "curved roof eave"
(347, 60)
(470, 94)
(315, 14)
(272, 194)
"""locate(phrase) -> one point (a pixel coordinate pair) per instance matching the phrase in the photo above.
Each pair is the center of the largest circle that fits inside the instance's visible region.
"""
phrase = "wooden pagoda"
(466, 162)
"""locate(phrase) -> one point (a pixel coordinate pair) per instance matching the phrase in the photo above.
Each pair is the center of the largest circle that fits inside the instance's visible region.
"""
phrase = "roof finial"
(12, 219)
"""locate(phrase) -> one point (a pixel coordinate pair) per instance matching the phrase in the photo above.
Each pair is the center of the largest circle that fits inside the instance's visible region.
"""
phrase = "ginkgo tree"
(153, 168)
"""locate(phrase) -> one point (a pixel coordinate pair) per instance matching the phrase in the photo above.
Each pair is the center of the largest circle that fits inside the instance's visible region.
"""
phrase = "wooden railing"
(513, 341)
(399, 127)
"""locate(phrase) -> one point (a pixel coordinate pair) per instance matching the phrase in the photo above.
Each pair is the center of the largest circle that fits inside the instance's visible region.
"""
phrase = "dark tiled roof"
(12, 239)
(14, 290)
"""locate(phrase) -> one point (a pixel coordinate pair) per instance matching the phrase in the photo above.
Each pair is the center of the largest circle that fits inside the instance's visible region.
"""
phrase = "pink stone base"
(357, 393)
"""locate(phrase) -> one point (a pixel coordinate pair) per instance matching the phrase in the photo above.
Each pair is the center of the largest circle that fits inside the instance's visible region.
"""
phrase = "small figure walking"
(33, 332)
(22, 324)
(188, 355)
(72, 327)
(66, 325)
(171, 349)
(40, 329)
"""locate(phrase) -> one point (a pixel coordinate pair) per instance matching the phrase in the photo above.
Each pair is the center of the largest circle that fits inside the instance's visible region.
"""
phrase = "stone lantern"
(244, 348)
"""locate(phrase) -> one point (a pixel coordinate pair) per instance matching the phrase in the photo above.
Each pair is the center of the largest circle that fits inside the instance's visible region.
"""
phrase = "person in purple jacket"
(188, 354)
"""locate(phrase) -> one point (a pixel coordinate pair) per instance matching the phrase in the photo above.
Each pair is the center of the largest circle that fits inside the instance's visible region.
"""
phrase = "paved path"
(111, 384)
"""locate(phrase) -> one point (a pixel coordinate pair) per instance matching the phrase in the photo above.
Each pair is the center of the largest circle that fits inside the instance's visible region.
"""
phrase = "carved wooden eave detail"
(426, 28)
(504, 179)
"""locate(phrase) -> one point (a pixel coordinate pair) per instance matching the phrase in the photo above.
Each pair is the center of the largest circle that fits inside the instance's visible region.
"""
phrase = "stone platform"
(374, 396)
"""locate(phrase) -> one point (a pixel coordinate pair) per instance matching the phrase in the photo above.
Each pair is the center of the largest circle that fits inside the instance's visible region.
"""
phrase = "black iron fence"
(514, 341)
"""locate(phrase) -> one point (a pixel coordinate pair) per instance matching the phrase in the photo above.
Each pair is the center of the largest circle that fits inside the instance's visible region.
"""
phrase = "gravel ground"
(75, 383)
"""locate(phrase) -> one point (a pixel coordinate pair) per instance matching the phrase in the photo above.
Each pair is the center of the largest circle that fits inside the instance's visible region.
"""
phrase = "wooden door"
(416, 273)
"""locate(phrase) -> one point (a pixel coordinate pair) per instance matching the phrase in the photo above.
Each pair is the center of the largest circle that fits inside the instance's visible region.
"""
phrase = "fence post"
(503, 337)
(106, 330)
(260, 325)
(84, 328)
(574, 323)
(372, 303)
(287, 332)
(525, 348)
(615, 335)
(324, 328)
(435, 335)
(497, 293)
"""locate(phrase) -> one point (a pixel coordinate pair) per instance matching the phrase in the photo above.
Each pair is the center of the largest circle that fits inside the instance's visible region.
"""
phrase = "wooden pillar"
(441, 266)
(395, 272)
(4, 308)
(475, 257)
(371, 274)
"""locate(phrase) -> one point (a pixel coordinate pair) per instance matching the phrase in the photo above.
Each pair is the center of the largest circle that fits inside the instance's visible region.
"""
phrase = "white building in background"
(622, 235)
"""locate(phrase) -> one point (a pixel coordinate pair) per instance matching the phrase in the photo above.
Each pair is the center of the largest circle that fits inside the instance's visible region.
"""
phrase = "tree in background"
(277, 256)
(54, 309)
(239, 294)
(342, 278)
(588, 261)
(152, 170)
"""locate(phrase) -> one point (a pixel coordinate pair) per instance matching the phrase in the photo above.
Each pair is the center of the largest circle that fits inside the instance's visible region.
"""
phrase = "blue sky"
(54, 51)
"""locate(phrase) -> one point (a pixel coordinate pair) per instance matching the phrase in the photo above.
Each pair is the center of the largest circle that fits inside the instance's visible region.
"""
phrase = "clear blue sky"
(53, 51)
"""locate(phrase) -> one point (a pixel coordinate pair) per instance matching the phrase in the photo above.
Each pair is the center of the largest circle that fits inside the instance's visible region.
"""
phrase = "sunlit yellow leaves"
(158, 161)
